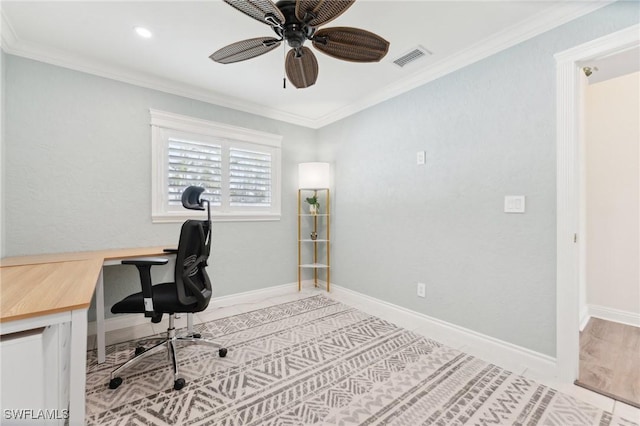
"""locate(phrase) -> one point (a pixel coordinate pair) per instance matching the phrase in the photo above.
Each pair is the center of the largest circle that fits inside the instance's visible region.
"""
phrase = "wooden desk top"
(32, 286)
(112, 254)
(46, 288)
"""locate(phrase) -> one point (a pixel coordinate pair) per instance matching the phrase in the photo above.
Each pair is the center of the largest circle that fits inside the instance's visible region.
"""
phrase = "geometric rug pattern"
(316, 361)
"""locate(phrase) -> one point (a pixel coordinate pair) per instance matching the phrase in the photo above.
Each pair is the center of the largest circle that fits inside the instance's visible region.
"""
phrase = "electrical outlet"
(421, 158)
(422, 290)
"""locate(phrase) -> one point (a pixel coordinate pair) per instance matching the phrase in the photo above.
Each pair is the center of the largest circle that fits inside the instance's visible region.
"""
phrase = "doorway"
(609, 361)
(570, 215)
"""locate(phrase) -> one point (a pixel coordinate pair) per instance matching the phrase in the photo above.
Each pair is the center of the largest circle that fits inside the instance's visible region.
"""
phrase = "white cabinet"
(23, 370)
(35, 375)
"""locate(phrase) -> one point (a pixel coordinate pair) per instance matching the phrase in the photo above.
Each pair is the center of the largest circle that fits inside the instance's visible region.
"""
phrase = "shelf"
(313, 265)
(310, 251)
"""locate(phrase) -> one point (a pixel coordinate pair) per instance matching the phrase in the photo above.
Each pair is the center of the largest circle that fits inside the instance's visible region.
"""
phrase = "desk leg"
(78, 367)
(100, 317)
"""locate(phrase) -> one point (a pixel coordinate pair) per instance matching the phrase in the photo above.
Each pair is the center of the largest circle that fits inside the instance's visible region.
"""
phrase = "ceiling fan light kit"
(296, 21)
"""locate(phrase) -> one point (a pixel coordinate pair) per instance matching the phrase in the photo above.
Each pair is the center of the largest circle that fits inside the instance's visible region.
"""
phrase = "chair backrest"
(191, 277)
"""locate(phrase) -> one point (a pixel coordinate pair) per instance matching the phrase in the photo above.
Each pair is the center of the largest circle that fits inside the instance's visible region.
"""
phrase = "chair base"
(170, 342)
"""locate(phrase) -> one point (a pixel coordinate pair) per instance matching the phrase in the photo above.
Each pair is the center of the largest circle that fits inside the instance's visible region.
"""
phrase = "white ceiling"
(98, 37)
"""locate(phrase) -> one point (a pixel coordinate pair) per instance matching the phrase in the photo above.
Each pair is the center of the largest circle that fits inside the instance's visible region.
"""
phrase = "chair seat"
(164, 301)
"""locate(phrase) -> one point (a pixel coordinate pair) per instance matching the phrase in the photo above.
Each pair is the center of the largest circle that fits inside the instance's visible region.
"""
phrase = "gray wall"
(78, 177)
(488, 131)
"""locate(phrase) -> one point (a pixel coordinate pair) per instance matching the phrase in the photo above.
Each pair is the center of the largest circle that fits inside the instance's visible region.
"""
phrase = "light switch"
(514, 203)
(421, 158)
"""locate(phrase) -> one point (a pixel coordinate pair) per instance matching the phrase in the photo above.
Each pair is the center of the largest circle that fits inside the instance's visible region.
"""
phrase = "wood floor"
(610, 360)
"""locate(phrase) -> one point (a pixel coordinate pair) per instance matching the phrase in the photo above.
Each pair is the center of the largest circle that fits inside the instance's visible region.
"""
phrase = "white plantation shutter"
(249, 178)
(194, 163)
(238, 168)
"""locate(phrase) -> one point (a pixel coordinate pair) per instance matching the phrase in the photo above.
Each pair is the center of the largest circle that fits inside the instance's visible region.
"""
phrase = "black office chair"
(189, 293)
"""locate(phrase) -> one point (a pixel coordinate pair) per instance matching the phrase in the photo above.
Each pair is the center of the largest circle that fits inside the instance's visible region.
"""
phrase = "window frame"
(165, 124)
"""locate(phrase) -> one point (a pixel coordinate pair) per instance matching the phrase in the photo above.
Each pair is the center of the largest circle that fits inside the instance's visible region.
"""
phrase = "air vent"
(412, 56)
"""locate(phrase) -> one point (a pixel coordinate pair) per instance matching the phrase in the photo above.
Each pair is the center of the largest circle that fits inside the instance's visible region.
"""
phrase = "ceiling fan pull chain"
(284, 68)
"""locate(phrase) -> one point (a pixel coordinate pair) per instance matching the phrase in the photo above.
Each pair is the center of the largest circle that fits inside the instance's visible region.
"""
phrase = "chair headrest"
(191, 198)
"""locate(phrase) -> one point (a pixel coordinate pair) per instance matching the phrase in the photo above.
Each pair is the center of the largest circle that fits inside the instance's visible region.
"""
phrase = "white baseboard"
(131, 320)
(512, 357)
(584, 317)
(615, 315)
(505, 354)
(252, 296)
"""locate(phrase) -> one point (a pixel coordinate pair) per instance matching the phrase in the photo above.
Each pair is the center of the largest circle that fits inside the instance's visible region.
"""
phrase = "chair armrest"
(145, 261)
(144, 265)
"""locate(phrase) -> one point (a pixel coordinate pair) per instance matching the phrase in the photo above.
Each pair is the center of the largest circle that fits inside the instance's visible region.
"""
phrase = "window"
(239, 169)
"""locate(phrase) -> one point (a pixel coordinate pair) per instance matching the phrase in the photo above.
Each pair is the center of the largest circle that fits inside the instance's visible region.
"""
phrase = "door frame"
(570, 187)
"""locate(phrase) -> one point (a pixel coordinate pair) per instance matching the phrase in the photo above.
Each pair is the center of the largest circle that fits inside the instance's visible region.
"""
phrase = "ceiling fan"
(296, 21)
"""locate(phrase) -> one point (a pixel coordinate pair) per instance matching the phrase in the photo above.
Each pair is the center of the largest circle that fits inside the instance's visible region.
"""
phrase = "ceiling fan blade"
(245, 49)
(264, 11)
(302, 70)
(319, 12)
(351, 44)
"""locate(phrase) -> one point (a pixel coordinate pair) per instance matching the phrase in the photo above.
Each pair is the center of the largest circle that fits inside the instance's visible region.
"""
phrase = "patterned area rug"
(317, 361)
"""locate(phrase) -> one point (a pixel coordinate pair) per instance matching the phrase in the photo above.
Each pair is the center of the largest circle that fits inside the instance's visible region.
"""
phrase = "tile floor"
(391, 315)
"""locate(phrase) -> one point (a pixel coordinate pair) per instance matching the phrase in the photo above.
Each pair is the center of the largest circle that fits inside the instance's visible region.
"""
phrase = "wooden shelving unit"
(320, 225)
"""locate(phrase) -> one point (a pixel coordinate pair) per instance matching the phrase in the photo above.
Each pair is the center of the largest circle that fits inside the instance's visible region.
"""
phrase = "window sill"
(215, 217)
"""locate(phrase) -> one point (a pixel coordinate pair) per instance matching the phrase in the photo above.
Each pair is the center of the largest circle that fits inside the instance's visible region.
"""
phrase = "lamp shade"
(313, 175)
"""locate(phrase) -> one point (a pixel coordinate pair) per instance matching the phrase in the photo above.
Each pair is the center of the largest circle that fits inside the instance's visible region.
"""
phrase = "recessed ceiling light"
(143, 32)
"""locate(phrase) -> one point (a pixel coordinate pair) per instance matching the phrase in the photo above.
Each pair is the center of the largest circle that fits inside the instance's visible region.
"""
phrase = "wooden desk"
(47, 290)
(107, 258)
(50, 294)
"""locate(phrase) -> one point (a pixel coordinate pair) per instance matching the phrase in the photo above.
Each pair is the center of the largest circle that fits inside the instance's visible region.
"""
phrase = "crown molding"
(13, 45)
(7, 34)
(63, 59)
(544, 21)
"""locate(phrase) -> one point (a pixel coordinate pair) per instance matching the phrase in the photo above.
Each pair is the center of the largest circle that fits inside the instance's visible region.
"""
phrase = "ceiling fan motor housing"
(293, 31)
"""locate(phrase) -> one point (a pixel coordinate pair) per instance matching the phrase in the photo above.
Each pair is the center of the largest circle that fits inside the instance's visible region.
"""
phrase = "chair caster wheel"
(222, 352)
(115, 382)
(179, 384)
(139, 350)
